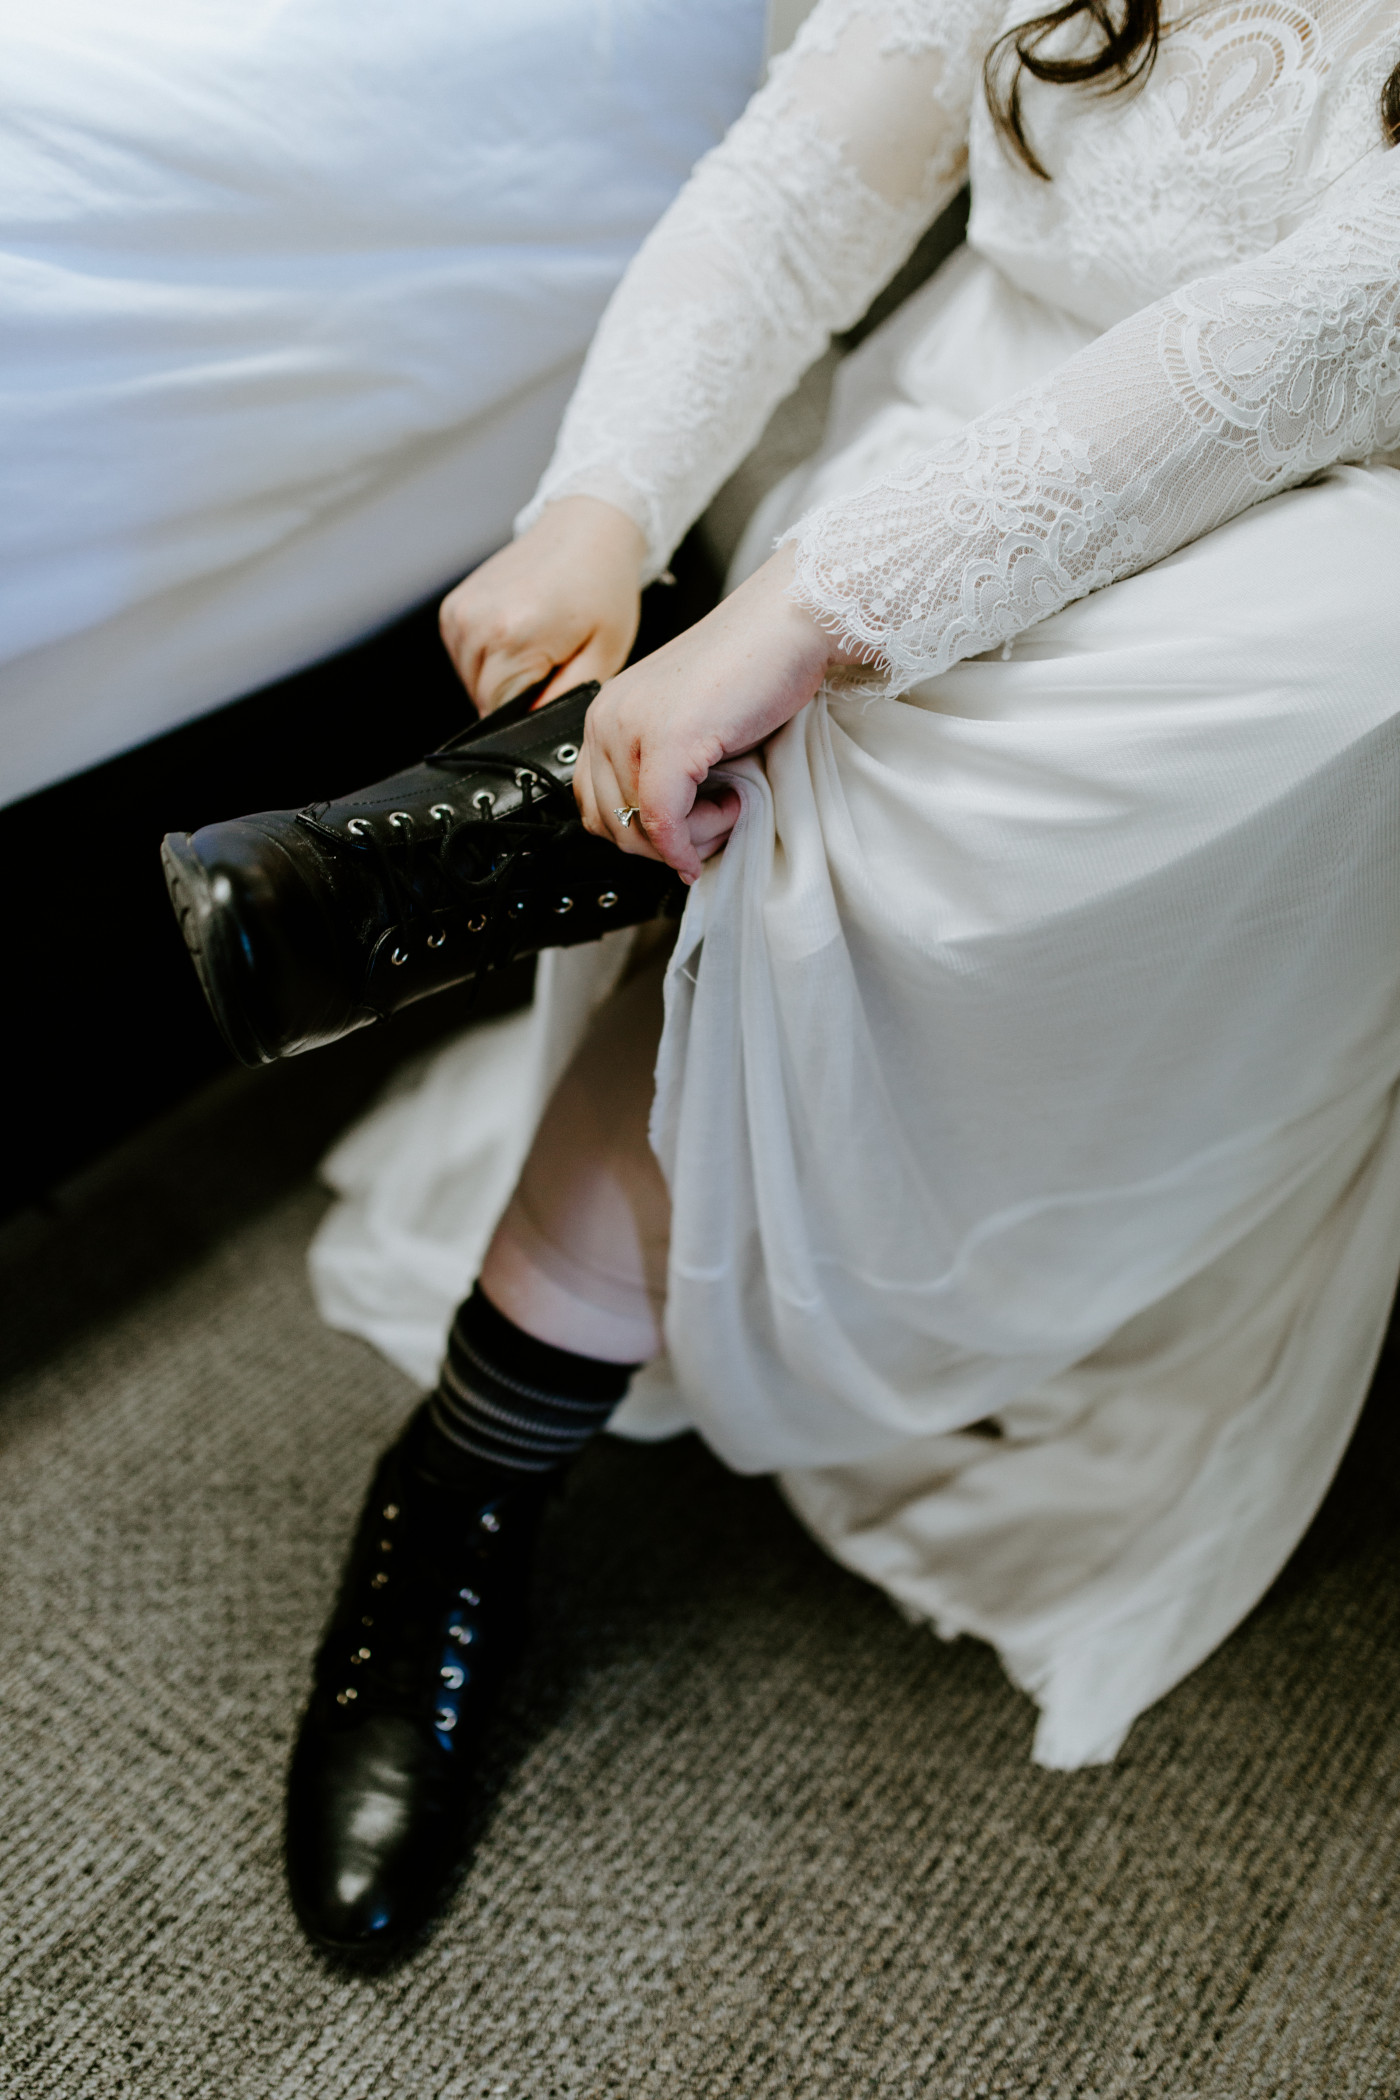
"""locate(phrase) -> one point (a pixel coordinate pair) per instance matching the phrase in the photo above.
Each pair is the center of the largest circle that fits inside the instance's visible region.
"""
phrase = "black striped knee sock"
(506, 1401)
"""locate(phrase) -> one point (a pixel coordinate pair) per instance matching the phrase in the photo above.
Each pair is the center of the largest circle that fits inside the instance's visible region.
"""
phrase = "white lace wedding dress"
(1031, 1051)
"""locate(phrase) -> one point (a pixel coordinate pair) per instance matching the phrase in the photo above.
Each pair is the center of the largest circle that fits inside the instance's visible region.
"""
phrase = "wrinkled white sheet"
(291, 298)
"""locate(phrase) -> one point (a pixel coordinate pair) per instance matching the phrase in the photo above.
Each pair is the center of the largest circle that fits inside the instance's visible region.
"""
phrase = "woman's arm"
(1238, 386)
(1235, 387)
(782, 235)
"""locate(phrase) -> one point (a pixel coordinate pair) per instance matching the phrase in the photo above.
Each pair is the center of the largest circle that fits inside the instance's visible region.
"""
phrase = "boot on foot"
(430, 1618)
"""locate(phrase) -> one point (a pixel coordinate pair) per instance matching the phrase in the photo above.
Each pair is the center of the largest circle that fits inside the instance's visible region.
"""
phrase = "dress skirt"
(1026, 1090)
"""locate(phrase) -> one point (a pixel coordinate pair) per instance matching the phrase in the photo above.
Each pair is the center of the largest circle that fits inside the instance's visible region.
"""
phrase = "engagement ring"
(626, 815)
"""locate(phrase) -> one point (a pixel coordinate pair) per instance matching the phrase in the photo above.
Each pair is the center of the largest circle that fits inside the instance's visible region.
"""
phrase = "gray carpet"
(748, 1834)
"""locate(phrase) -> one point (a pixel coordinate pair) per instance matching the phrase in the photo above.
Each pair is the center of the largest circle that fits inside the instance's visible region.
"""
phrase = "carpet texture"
(749, 1834)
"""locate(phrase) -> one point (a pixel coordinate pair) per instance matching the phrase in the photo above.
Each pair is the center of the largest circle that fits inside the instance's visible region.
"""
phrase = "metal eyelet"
(483, 799)
(490, 1521)
(399, 817)
(361, 1655)
(524, 777)
(443, 811)
(436, 940)
(567, 754)
(607, 900)
(462, 1635)
(478, 924)
(469, 1596)
(379, 1581)
(344, 1698)
(391, 1510)
(386, 1545)
(367, 1620)
(359, 827)
(445, 1719)
(453, 1676)
(399, 957)
(564, 904)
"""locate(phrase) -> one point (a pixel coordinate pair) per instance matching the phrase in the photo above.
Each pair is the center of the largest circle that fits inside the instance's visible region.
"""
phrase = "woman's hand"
(564, 597)
(722, 688)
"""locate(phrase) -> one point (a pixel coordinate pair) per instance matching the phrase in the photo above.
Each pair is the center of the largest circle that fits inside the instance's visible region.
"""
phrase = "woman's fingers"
(706, 829)
(500, 679)
(586, 796)
(666, 795)
(597, 659)
(560, 604)
(609, 800)
(712, 820)
(600, 797)
(657, 732)
(495, 656)
(702, 832)
(496, 675)
(635, 787)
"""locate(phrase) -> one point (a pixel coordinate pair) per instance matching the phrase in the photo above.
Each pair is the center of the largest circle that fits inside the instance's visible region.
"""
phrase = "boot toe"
(371, 1833)
(258, 907)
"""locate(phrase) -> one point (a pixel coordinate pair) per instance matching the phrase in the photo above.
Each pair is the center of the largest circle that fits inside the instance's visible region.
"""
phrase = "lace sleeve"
(782, 235)
(1241, 384)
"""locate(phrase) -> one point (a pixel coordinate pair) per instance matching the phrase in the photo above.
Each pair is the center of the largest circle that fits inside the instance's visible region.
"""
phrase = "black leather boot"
(430, 1618)
(306, 924)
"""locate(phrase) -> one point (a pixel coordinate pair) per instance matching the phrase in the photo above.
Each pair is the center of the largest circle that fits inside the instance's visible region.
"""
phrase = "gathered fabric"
(1026, 1094)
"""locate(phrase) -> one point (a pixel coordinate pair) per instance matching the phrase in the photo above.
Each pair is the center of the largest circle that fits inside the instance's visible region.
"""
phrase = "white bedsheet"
(291, 298)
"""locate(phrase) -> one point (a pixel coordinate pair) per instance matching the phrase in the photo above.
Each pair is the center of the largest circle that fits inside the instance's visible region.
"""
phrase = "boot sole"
(211, 935)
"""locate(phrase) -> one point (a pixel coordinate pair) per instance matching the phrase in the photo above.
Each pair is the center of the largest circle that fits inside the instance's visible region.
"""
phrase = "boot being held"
(306, 924)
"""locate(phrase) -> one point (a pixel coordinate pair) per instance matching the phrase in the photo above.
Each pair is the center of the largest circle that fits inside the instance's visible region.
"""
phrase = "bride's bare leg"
(579, 1258)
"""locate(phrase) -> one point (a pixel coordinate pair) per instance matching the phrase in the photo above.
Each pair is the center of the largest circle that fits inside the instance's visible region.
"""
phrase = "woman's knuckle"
(499, 634)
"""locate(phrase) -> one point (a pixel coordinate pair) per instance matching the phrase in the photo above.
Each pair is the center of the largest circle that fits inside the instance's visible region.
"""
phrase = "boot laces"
(410, 1640)
(463, 860)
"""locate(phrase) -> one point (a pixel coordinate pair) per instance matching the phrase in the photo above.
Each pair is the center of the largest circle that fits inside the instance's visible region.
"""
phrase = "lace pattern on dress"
(976, 540)
(734, 296)
(906, 28)
(1244, 383)
(1300, 365)
(779, 239)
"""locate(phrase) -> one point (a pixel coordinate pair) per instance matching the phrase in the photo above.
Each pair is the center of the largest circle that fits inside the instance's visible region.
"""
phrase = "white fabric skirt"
(1026, 1093)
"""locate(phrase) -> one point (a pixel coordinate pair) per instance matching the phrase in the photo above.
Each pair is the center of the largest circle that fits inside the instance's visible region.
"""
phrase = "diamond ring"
(626, 815)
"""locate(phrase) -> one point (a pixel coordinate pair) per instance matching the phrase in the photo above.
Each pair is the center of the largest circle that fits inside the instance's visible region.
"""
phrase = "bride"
(1006, 1155)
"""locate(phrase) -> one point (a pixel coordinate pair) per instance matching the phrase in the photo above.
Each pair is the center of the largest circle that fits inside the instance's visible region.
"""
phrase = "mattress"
(293, 296)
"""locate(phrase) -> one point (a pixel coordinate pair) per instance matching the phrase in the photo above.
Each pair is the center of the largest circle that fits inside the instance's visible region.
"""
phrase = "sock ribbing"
(512, 1401)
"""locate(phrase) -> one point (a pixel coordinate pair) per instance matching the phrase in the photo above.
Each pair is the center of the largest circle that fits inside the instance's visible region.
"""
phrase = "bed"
(293, 297)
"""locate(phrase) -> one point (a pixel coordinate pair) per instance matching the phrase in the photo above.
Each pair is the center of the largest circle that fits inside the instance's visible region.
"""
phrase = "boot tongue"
(564, 709)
